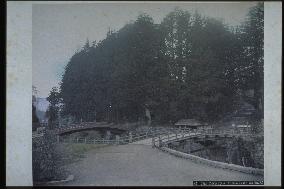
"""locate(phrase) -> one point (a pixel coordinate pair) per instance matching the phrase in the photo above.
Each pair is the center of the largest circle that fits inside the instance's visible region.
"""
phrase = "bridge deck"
(86, 126)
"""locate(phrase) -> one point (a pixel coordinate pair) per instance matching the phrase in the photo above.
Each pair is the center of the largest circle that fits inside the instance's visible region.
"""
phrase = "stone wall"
(239, 151)
(257, 152)
(217, 164)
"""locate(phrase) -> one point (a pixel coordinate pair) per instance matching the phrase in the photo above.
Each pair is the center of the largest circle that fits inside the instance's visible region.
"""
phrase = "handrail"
(161, 139)
(82, 125)
(163, 135)
(127, 139)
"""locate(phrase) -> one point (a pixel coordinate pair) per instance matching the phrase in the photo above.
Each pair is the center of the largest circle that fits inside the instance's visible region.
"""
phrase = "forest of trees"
(188, 66)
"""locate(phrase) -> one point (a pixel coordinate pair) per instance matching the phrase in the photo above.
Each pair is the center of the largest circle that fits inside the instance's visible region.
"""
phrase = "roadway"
(142, 165)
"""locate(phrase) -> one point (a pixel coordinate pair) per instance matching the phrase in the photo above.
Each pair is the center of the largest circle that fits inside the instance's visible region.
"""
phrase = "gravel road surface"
(142, 165)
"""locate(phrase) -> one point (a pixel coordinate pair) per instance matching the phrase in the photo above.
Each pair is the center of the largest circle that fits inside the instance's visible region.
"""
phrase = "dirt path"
(142, 165)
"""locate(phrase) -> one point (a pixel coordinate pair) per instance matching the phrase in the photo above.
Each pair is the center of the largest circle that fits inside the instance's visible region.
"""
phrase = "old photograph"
(148, 94)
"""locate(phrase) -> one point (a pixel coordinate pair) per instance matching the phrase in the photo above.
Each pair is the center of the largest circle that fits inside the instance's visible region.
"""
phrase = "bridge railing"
(170, 136)
(159, 135)
(161, 140)
(87, 141)
(133, 137)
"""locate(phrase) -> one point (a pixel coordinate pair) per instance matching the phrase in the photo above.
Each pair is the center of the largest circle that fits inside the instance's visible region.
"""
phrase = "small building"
(240, 120)
(192, 124)
(242, 126)
(41, 130)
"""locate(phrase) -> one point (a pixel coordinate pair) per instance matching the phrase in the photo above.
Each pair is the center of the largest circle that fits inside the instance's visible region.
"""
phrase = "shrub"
(47, 161)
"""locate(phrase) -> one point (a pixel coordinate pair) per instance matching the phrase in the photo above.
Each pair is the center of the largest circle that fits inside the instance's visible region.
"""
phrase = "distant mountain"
(41, 105)
(41, 116)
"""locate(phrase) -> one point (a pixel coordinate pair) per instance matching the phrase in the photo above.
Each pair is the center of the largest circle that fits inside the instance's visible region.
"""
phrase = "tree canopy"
(187, 66)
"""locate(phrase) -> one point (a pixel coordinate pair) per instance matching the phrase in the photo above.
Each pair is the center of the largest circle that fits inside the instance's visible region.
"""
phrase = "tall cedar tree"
(187, 66)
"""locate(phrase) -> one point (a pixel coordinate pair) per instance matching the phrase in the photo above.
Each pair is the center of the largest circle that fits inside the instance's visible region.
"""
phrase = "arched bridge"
(154, 136)
(87, 126)
(201, 135)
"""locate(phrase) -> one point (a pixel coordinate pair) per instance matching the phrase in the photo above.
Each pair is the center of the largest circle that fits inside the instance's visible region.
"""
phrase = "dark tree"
(252, 67)
(187, 66)
(53, 109)
(35, 120)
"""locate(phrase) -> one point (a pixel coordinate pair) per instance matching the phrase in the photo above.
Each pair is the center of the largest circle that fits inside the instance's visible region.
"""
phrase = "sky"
(61, 29)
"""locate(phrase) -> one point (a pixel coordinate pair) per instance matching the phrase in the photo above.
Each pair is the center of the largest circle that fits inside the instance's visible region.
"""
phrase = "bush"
(47, 162)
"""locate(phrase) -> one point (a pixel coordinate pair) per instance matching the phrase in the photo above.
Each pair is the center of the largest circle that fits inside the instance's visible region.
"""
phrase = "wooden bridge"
(211, 134)
(161, 136)
(86, 126)
(133, 136)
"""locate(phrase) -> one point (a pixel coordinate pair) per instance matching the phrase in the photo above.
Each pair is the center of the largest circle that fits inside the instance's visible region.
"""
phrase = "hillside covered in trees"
(186, 66)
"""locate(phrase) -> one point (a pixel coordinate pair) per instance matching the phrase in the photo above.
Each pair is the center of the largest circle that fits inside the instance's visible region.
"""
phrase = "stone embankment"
(217, 164)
